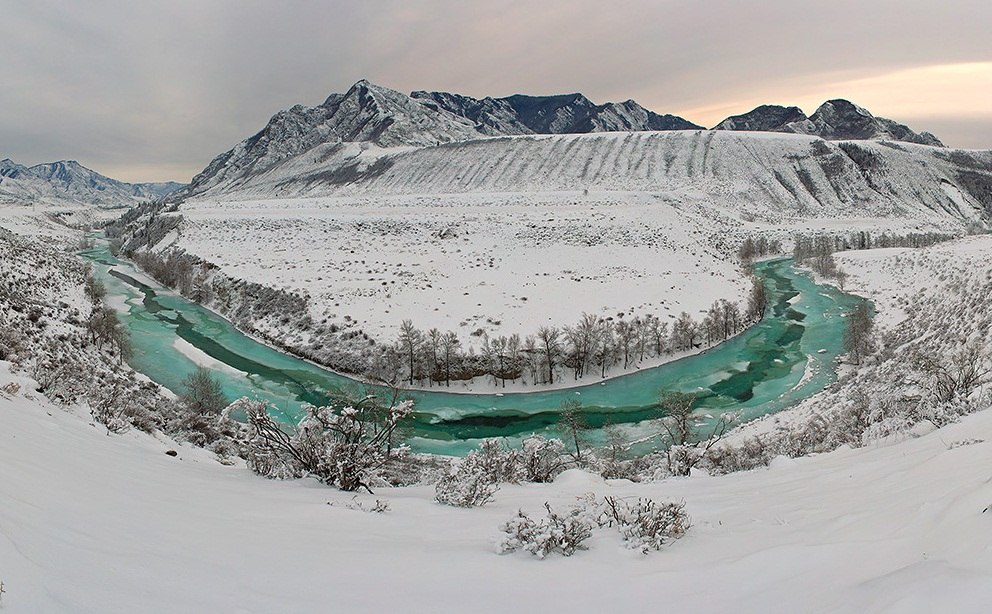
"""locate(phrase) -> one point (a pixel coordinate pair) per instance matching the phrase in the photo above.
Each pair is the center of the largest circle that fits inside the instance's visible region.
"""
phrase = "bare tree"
(757, 300)
(203, 394)
(731, 318)
(859, 334)
(659, 333)
(605, 348)
(573, 426)
(642, 330)
(409, 345)
(582, 342)
(687, 438)
(449, 350)
(684, 332)
(550, 345)
(626, 337)
(433, 347)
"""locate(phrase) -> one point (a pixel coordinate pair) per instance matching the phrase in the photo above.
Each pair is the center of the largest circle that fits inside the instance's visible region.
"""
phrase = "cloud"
(155, 90)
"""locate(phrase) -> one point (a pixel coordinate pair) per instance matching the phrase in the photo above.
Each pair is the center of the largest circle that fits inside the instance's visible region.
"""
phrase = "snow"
(92, 523)
(502, 235)
(202, 359)
(937, 294)
(503, 264)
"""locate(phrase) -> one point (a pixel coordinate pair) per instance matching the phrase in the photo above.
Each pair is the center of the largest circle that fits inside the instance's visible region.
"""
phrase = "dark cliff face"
(766, 118)
(834, 120)
(560, 114)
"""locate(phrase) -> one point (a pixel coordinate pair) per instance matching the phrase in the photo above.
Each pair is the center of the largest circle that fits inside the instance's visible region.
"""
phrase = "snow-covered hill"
(766, 173)
(68, 182)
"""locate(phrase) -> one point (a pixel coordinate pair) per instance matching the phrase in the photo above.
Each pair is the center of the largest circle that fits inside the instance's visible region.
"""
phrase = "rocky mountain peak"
(836, 119)
(765, 118)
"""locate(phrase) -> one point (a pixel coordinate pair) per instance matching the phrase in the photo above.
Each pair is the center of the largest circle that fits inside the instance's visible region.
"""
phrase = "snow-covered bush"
(542, 459)
(345, 445)
(465, 489)
(644, 524)
(475, 480)
(561, 532)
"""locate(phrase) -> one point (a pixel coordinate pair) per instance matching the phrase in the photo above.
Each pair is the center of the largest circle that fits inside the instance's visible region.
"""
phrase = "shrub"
(475, 480)
(542, 458)
(644, 524)
(557, 532)
(345, 444)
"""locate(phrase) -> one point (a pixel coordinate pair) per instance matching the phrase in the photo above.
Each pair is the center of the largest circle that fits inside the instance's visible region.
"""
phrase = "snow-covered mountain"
(834, 120)
(326, 148)
(563, 114)
(384, 118)
(67, 181)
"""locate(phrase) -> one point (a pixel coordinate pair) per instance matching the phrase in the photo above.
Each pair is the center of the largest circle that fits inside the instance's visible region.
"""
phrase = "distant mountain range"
(377, 116)
(69, 181)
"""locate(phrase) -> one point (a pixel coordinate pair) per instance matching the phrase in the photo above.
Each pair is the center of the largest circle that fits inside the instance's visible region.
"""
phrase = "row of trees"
(818, 245)
(103, 325)
(816, 250)
(593, 345)
(758, 247)
(179, 271)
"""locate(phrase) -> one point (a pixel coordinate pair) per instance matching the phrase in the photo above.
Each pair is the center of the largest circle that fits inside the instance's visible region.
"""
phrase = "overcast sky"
(147, 91)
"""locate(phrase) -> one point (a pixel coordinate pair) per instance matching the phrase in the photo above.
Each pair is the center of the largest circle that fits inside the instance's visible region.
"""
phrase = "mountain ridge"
(834, 120)
(70, 181)
(352, 129)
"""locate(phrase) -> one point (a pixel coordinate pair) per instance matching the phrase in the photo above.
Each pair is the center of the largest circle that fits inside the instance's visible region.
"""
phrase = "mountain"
(366, 113)
(349, 135)
(562, 114)
(766, 118)
(69, 181)
(842, 119)
(383, 118)
(834, 120)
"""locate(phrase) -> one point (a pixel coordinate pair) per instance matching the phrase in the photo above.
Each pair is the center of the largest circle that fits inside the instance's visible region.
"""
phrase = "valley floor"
(493, 264)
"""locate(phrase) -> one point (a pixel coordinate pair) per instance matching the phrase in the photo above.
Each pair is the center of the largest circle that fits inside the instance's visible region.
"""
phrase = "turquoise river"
(787, 357)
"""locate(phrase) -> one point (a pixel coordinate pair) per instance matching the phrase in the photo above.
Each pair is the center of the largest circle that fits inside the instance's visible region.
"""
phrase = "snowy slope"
(767, 172)
(92, 523)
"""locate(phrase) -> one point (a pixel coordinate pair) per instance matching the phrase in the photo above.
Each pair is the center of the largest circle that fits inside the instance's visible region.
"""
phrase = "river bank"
(763, 370)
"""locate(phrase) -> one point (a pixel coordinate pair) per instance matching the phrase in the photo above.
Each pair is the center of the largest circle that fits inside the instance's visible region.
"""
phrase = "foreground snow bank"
(91, 523)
